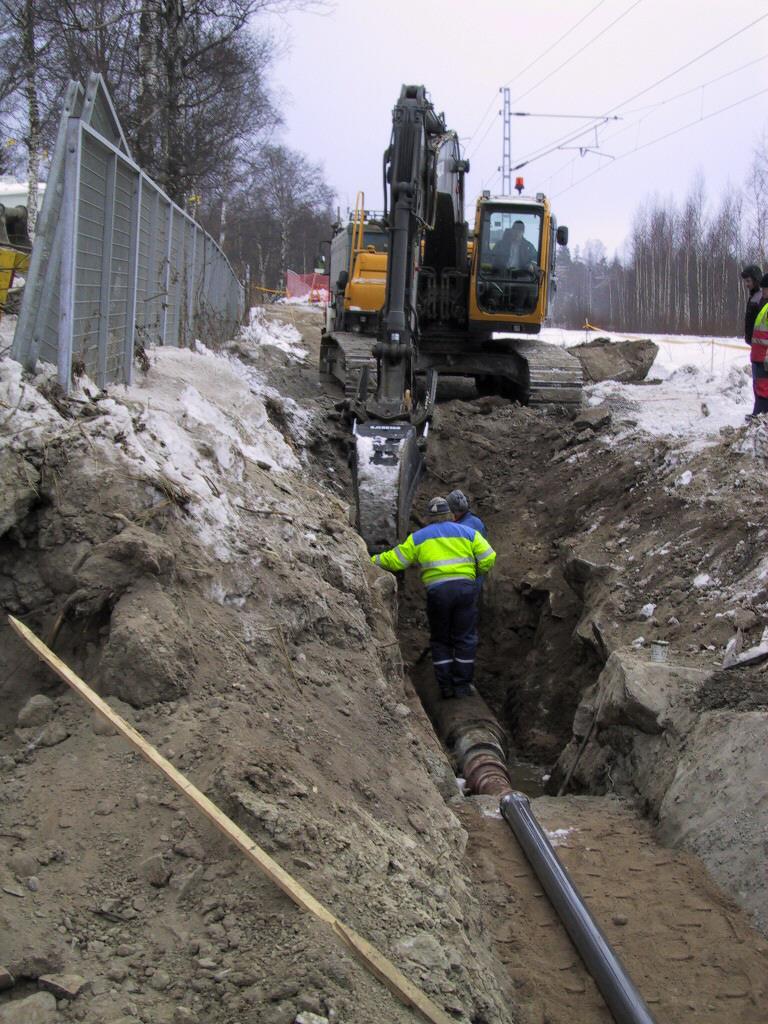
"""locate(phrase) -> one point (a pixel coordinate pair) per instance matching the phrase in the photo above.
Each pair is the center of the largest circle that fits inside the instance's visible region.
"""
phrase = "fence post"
(133, 281)
(166, 276)
(69, 210)
(191, 288)
(105, 296)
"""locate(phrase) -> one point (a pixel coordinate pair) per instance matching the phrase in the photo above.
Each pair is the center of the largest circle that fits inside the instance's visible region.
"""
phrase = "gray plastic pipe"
(623, 1000)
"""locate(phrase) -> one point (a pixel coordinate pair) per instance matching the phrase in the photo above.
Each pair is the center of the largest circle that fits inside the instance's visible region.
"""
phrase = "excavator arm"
(424, 204)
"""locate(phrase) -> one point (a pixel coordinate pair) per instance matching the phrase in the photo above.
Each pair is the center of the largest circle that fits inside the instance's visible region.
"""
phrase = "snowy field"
(705, 384)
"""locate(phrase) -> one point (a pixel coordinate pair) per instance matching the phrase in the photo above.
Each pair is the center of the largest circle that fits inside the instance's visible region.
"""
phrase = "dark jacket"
(500, 255)
(473, 522)
(754, 304)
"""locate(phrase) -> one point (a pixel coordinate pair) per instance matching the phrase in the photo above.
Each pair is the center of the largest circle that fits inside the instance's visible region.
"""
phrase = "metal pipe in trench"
(470, 731)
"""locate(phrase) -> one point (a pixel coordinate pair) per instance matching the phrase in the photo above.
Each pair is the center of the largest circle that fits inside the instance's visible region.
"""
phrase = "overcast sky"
(343, 70)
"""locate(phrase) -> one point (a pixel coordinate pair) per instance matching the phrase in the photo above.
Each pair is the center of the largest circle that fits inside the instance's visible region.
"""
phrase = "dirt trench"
(271, 672)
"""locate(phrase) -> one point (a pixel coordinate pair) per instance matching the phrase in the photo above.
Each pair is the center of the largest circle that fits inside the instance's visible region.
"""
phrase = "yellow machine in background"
(15, 250)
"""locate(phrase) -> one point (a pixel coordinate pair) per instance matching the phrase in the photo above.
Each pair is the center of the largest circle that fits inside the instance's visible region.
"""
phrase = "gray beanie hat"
(437, 507)
(457, 502)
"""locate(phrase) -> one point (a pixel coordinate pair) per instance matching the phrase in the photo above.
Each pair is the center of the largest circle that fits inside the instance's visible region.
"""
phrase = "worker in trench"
(450, 557)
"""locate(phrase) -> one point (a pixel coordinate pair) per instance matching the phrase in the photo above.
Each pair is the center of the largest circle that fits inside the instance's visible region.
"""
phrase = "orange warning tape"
(673, 341)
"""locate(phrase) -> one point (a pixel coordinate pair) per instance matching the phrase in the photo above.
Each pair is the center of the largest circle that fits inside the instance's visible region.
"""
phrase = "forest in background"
(190, 80)
(191, 83)
(681, 270)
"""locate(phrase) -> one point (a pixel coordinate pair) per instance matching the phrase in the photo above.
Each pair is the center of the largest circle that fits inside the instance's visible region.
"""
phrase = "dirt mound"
(183, 547)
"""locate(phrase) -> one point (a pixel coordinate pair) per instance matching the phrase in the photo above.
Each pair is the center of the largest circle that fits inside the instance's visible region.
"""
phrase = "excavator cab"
(512, 264)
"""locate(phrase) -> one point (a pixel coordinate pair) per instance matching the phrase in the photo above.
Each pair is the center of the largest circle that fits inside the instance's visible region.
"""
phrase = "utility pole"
(506, 147)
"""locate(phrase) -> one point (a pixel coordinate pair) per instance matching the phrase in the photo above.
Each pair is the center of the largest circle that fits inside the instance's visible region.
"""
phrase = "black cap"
(753, 271)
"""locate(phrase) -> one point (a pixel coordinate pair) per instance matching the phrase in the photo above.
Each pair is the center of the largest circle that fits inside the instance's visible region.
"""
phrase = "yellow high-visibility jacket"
(443, 552)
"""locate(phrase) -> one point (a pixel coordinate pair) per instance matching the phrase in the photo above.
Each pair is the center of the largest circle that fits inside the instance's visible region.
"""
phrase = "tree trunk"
(32, 140)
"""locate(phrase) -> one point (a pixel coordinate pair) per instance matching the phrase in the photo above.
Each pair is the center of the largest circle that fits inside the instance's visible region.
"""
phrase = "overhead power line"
(533, 63)
(662, 138)
(580, 50)
(557, 42)
(653, 107)
(694, 60)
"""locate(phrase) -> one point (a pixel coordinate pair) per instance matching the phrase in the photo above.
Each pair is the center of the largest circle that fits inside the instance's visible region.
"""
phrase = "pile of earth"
(182, 545)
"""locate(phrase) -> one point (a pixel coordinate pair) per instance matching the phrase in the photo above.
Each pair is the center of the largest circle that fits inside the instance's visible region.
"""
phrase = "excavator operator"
(450, 556)
(514, 251)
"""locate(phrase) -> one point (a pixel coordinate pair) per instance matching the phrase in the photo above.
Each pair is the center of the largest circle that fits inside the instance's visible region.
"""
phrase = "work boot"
(447, 692)
(462, 691)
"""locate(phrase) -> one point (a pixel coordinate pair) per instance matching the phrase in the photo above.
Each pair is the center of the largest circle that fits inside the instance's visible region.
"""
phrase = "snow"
(260, 330)
(559, 835)
(705, 386)
(196, 422)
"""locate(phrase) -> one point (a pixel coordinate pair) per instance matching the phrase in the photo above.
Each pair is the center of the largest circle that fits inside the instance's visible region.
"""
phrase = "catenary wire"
(650, 110)
(580, 50)
(535, 61)
(662, 138)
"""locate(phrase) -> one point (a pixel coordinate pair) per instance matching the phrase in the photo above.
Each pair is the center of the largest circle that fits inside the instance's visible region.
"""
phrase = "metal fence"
(115, 263)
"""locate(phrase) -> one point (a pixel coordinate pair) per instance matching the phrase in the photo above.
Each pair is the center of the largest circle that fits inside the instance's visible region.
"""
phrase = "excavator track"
(554, 376)
(348, 358)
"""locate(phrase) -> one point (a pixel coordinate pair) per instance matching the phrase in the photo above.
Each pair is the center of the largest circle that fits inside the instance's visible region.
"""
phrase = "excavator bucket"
(387, 465)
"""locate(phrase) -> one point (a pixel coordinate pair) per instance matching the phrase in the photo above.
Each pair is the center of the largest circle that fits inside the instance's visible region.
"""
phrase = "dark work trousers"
(760, 388)
(452, 615)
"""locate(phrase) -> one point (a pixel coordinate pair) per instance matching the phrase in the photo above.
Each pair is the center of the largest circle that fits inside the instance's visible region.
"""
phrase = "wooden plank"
(373, 961)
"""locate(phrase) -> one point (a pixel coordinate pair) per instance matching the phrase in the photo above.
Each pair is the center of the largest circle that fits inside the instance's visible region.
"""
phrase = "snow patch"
(261, 330)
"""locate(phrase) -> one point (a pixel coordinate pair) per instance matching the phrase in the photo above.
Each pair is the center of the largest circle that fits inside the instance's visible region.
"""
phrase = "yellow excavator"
(416, 296)
(15, 250)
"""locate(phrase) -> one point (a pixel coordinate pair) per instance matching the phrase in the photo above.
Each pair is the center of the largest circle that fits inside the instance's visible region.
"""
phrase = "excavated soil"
(231, 614)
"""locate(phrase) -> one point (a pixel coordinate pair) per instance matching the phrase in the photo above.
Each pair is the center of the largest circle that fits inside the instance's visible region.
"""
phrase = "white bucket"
(659, 650)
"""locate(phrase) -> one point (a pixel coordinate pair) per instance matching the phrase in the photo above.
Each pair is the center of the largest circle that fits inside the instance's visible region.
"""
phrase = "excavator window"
(508, 275)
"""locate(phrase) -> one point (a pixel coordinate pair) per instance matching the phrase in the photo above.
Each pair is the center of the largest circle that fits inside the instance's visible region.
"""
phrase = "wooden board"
(373, 961)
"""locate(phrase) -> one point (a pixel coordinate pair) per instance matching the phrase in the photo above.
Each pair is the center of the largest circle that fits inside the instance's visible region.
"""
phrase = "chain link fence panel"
(116, 265)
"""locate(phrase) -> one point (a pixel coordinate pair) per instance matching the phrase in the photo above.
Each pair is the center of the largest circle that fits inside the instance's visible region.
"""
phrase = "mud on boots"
(450, 557)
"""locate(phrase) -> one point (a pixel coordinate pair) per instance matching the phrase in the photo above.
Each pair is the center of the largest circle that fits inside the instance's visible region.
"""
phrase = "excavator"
(416, 297)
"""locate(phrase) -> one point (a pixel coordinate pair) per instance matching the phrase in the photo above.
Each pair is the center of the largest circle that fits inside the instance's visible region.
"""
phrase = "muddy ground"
(230, 613)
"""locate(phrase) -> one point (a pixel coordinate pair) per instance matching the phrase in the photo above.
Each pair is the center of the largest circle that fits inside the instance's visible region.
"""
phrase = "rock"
(23, 864)
(117, 972)
(423, 949)
(640, 693)
(307, 1017)
(592, 417)
(101, 726)
(626, 361)
(286, 989)
(160, 981)
(18, 489)
(183, 1015)
(190, 846)
(149, 652)
(54, 733)
(33, 883)
(37, 1009)
(63, 986)
(619, 919)
(155, 871)
(719, 792)
(7, 980)
(37, 711)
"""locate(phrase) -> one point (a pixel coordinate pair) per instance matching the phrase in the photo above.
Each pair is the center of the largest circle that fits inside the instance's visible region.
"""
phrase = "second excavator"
(452, 304)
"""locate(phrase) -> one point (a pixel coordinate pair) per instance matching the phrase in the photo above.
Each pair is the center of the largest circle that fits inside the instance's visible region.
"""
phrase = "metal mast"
(506, 149)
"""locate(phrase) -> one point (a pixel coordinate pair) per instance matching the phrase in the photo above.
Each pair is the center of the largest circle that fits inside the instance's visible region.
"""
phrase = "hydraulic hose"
(472, 734)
